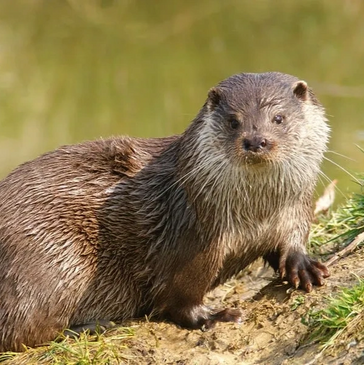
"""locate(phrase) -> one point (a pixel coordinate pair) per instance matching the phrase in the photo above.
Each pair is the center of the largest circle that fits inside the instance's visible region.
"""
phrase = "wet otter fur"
(118, 228)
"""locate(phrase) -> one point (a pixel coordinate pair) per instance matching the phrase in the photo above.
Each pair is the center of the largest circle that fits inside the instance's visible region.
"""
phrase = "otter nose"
(254, 144)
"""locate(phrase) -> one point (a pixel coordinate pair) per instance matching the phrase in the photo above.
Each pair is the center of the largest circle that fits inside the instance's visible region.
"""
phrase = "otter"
(119, 228)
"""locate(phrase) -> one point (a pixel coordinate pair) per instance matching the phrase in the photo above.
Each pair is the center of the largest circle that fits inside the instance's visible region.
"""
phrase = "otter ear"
(213, 98)
(300, 90)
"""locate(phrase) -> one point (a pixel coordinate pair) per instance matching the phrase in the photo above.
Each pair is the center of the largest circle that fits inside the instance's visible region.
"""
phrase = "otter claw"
(302, 271)
(308, 287)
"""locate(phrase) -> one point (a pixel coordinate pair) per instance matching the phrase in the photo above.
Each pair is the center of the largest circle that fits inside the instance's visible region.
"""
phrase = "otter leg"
(91, 327)
(182, 301)
(272, 258)
(302, 271)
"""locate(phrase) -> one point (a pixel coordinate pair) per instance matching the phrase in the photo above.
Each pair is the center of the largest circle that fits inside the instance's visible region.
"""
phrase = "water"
(77, 70)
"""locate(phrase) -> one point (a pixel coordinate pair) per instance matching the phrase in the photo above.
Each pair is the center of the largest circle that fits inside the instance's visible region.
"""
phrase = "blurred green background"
(76, 70)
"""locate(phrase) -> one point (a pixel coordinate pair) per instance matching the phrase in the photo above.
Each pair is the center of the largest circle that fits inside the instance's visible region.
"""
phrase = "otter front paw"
(302, 271)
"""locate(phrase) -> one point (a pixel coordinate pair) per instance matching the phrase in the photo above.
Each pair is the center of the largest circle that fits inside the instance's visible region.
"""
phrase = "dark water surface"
(77, 70)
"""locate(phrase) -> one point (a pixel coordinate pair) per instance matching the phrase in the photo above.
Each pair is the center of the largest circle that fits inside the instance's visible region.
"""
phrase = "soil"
(271, 333)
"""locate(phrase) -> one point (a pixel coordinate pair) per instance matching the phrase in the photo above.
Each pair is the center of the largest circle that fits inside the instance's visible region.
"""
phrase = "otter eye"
(234, 124)
(278, 119)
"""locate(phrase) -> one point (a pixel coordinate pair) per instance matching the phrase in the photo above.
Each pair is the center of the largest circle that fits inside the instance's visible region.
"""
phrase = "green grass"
(341, 227)
(342, 320)
(111, 348)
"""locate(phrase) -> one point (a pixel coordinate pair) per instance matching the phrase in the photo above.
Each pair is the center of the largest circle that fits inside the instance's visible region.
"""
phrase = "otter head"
(257, 119)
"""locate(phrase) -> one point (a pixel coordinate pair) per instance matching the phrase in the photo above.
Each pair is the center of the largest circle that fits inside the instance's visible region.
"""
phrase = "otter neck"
(226, 195)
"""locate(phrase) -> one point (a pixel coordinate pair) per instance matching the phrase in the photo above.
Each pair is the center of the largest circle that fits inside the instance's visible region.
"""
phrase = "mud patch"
(272, 332)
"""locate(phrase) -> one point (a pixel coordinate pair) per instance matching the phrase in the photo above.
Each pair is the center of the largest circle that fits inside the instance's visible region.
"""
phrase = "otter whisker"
(343, 169)
(328, 180)
(340, 154)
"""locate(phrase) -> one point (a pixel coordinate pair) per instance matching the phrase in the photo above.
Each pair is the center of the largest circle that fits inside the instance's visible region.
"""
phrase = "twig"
(349, 248)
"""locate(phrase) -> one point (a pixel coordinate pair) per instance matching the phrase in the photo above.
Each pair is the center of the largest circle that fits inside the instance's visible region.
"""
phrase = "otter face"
(265, 118)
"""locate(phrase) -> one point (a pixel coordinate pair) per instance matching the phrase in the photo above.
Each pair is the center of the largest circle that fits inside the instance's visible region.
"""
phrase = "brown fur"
(119, 228)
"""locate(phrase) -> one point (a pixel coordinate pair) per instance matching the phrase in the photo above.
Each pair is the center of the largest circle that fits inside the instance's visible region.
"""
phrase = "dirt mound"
(271, 333)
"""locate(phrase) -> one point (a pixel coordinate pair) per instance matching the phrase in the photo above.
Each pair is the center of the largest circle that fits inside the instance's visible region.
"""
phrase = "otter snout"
(255, 144)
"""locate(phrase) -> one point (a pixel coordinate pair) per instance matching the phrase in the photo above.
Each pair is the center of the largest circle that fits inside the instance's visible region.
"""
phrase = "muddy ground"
(272, 332)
